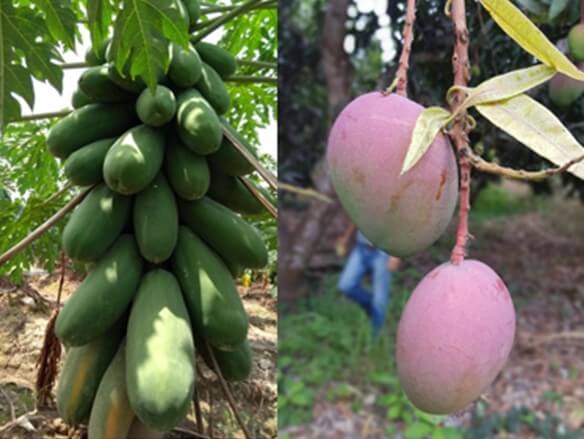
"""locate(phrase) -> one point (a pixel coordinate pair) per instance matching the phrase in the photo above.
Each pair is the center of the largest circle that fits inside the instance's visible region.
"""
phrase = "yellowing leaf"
(527, 35)
(536, 127)
(428, 124)
(510, 84)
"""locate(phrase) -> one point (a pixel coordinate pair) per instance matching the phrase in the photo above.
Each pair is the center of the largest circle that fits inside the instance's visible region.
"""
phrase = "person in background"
(367, 259)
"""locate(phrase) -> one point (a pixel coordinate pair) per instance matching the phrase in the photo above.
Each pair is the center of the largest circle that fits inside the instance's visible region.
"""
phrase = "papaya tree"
(146, 182)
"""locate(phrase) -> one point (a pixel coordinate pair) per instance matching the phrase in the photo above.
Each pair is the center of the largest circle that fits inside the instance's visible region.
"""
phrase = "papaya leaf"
(252, 36)
(507, 85)
(526, 34)
(61, 21)
(24, 51)
(536, 127)
(428, 124)
(556, 8)
(142, 32)
(99, 18)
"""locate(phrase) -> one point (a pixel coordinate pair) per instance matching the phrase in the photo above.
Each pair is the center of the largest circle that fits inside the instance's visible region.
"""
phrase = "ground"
(24, 313)
(538, 249)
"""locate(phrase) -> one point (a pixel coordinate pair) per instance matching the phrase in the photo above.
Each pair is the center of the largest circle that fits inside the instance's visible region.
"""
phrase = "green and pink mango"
(366, 149)
(576, 42)
(454, 336)
(563, 90)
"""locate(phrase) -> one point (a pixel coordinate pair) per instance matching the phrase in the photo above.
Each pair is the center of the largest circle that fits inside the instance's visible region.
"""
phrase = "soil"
(24, 312)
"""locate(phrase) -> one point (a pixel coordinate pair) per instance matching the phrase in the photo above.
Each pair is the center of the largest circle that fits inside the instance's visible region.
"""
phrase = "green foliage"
(252, 37)
(99, 18)
(518, 422)
(29, 178)
(25, 50)
(496, 201)
(329, 340)
(60, 20)
(142, 31)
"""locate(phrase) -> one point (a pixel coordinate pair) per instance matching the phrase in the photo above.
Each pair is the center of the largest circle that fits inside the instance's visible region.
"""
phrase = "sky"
(48, 99)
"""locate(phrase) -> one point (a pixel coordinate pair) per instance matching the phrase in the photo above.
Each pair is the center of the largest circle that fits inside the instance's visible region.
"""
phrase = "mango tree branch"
(404, 59)
(306, 192)
(43, 227)
(459, 132)
(519, 174)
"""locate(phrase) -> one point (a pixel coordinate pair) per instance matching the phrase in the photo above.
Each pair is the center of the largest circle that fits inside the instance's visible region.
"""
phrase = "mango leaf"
(556, 8)
(534, 7)
(61, 21)
(99, 18)
(24, 51)
(142, 32)
(509, 84)
(428, 124)
(515, 24)
(536, 127)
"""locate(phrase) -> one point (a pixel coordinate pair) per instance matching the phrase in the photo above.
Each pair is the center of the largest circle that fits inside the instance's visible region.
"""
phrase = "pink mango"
(454, 336)
(366, 149)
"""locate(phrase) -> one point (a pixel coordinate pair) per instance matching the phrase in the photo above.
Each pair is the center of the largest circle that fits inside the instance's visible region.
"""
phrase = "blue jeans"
(363, 260)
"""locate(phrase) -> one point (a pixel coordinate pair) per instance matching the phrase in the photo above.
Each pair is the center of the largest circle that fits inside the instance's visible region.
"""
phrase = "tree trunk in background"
(297, 246)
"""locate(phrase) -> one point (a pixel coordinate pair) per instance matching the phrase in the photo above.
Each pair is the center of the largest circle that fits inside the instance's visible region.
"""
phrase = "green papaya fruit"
(198, 125)
(220, 59)
(96, 57)
(97, 85)
(233, 238)
(213, 89)
(80, 99)
(82, 372)
(158, 108)
(112, 415)
(194, 9)
(95, 224)
(84, 166)
(160, 353)
(134, 160)
(232, 193)
(124, 81)
(187, 172)
(186, 66)
(88, 124)
(156, 221)
(228, 160)
(103, 296)
(212, 299)
(235, 365)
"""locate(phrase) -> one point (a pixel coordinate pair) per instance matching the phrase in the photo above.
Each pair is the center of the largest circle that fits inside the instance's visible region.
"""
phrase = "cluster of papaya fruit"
(162, 231)
(563, 90)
